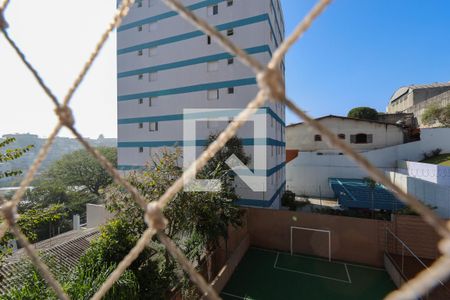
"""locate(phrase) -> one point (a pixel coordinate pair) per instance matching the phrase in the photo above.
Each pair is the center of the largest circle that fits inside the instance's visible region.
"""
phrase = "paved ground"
(264, 274)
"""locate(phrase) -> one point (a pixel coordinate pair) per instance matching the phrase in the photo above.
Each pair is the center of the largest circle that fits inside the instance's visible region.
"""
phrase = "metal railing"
(406, 261)
(271, 84)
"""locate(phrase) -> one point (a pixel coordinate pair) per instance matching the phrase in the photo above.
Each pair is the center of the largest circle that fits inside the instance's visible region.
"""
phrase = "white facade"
(362, 135)
(166, 65)
(308, 173)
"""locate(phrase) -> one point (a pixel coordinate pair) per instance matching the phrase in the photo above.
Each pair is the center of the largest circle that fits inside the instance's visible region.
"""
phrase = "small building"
(416, 98)
(362, 135)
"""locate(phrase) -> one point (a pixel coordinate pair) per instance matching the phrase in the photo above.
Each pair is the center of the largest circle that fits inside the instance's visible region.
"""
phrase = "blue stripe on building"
(198, 143)
(177, 117)
(261, 203)
(257, 172)
(168, 14)
(197, 33)
(190, 89)
(194, 61)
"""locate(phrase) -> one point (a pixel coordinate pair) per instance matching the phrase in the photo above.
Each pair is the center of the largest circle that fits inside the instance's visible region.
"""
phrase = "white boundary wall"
(428, 192)
(428, 172)
(96, 215)
(308, 174)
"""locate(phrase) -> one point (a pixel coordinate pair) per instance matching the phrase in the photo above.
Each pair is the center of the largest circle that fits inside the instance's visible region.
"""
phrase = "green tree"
(81, 171)
(10, 155)
(365, 113)
(436, 114)
(36, 224)
(197, 220)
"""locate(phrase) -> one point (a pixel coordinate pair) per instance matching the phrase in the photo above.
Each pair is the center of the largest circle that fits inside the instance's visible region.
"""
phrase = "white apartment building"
(166, 65)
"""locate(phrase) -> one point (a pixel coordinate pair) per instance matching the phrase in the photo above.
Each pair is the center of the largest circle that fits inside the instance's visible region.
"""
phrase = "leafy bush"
(437, 114)
(288, 199)
(365, 113)
(81, 283)
(432, 153)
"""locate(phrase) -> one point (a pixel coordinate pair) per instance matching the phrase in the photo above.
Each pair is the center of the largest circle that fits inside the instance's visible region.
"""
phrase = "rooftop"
(347, 118)
(66, 249)
(407, 89)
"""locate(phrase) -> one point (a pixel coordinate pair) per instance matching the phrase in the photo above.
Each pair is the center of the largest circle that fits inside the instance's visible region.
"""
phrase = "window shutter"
(352, 138)
(369, 138)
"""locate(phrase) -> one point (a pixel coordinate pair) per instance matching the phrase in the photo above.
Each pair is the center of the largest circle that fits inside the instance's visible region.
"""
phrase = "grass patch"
(441, 159)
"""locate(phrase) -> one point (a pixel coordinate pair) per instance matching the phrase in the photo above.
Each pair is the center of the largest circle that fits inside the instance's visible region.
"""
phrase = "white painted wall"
(301, 136)
(428, 192)
(96, 215)
(308, 174)
(428, 172)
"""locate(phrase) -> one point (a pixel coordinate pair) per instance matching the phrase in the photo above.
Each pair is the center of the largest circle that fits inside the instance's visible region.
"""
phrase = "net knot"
(271, 82)
(65, 116)
(154, 217)
(3, 23)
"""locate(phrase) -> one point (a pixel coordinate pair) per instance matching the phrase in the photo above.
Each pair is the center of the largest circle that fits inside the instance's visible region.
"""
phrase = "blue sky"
(359, 52)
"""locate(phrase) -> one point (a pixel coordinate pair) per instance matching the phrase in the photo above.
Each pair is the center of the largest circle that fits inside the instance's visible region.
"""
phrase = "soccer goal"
(320, 231)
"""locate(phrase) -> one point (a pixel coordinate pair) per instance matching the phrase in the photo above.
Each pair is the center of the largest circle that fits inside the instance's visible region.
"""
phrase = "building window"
(230, 61)
(271, 150)
(141, 149)
(139, 3)
(140, 101)
(230, 32)
(141, 125)
(230, 3)
(152, 51)
(231, 90)
(212, 66)
(150, 100)
(213, 10)
(140, 76)
(361, 138)
(139, 52)
(208, 39)
(341, 136)
(213, 94)
(139, 28)
(152, 76)
(317, 138)
(153, 126)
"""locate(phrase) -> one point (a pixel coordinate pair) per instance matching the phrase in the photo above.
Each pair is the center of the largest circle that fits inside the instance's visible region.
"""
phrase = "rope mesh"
(271, 84)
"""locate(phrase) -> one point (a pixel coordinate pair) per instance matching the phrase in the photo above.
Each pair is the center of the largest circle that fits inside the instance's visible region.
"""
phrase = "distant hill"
(60, 147)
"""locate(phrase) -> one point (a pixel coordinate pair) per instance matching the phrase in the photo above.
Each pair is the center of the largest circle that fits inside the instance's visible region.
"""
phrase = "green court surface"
(265, 274)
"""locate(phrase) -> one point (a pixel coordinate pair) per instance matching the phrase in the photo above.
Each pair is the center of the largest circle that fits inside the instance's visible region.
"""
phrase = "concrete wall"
(428, 172)
(308, 174)
(417, 100)
(428, 192)
(96, 215)
(352, 239)
(301, 136)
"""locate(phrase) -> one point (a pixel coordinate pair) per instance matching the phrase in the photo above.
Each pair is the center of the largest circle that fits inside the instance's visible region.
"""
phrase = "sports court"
(266, 274)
